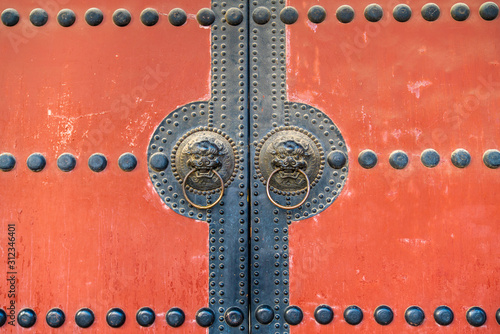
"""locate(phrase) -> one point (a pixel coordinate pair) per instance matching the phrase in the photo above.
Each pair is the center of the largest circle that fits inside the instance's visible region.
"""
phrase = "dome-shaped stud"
(205, 317)
(402, 13)
(97, 162)
(374, 12)
(491, 158)
(177, 17)
(26, 318)
(460, 158)
(476, 316)
(383, 315)
(336, 159)
(264, 314)
(488, 11)
(323, 314)
(10, 17)
(150, 17)
(205, 17)
(7, 162)
(460, 12)
(3, 317)
(293, 315)
(234, 16)
(36, 162)
(66, 17)
(289, 15)
(353, 315)
(145, 317)
(175, 317)
(55, 318)
(115, 317)
(430, 158)
(414, 315)
(430, 12)
(94, 16)
(443, 315)
(398, 159)
(234, 316)
(122, 17)
(316, 14)
(497, 316)
(345, 14)
(66, 162)
(261, 15)
(38, 17)
(367, 159)
(84, 318)
(127, 162)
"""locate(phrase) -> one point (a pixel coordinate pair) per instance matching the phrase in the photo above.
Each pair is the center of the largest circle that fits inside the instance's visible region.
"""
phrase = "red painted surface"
(416, 236)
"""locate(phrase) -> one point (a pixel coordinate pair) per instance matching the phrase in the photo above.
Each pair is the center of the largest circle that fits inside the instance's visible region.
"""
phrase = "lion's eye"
(211, 156)
(282, 156)
(196, 156)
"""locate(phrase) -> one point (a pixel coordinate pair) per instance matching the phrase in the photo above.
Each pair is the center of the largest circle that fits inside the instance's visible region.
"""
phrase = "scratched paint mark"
(414, 87)
(414, 242)
(312, 26)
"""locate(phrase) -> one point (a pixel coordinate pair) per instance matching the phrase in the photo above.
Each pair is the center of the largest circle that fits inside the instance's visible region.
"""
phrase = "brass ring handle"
(283, 206)
(203, 207)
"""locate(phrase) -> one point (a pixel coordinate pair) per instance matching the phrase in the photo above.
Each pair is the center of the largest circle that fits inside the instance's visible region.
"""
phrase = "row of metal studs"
(289, 15)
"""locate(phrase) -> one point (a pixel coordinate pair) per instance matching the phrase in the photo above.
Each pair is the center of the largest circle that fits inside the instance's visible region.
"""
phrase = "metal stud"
(97, 162)
(460, 158)
(158, 161)
(289, 15)
(261, 15)
(414, 315)
(94, 16)
(10, 17)
(491, 158)
(264, 314)
(84, 318)
(36, 162)
(205, 17)
(367, 159)
(383, 315)
(115, 317)
(205, 317)
(149, 17)
(460, 11)
(345, 14)
(122, 17)
(336, 159)
(398, 159)
(323, 314)
(234, 16)
(430, 12)
(430, 158)
(7, 162)
(175, 317)
(402, 13)
(3, 317)
(476, 316)
(66, 162)
(374, 12)
(177, 17)
(353, 315)
(26, 318)
(443, 315)
(55, 318)
(497, 316)
(66, 17)
(316, 14)
(38, 17)
(293, 315)
(145, 316)
(488, 11)
(127, 162)
(234, 317)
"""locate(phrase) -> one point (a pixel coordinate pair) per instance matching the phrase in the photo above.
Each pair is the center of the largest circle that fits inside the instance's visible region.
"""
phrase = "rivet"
(323, 314)
(66, 162)
(55, 318)
(383, 315)
(367, 159)
(460, 11)
(293, 315)
(84, 318)
(175, 317)
(460, 158)
(488, 11)
(353, 315)
(476, 316)
(373, 12)
(402, 13)
(149, 17)
(66, 17)
(145, 316)
(491, 158)
(122, 17)
(234, 16)
(7, 162)
(205, 17)
(38, 17)
(336, 159)
(94, 16)
(264, 314)
(430, 12)
(26, 318)
(177, 17)
(316, 14)
(345, 14)
(205, 317)
(289, 15)
(10, 17)
(127, 162)
(234, 317)
(398, 159)
(3, 317)
(443, 315)
(97, 162)
(497, 316)
(430, 158)
(115, 317)
(261, 15)
(414, 315)
(158, 161)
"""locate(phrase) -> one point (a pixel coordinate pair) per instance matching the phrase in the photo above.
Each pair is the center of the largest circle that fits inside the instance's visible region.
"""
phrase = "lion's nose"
(289, 161)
